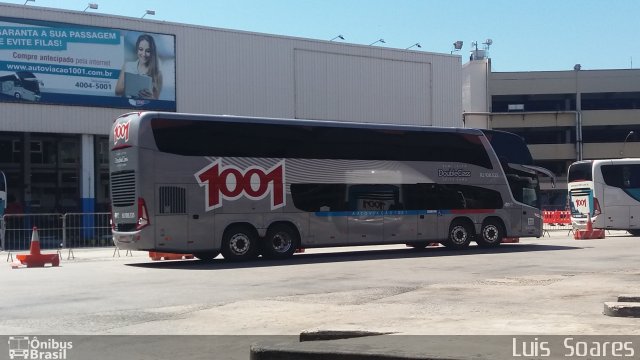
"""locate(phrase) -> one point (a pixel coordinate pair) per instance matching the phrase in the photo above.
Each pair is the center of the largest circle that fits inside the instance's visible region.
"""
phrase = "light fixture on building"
(414, 45)
(457, 46)
(92, 6)
(338, 37)
(577, 67)
(26, 1)
(378, 41)
(148, 12)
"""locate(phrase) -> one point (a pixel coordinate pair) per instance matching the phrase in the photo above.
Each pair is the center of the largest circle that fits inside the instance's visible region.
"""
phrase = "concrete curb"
(319, 335)
(386, 347)
(626, 306)
(363, 348)
(629, 298)
(292, 352)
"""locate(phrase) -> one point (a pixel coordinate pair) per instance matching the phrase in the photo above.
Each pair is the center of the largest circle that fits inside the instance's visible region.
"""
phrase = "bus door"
(171, 219)
(424, 199)
(400, 222)
(368, 205)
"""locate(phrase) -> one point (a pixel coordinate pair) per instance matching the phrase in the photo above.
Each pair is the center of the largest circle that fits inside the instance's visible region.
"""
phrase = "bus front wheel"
(239, 242)
(281, 242)
(491, 234)
(460, 235)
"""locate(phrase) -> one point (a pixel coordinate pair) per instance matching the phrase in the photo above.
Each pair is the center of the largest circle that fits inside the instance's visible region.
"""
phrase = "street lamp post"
(92, 6)
(148, 12)
(631, 133)
(577, 68)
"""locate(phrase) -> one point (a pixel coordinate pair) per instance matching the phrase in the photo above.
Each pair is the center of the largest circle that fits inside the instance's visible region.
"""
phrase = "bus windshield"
(517, 162)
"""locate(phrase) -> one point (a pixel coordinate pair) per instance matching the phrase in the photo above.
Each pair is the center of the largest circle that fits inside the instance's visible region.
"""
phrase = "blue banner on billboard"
(55, 63)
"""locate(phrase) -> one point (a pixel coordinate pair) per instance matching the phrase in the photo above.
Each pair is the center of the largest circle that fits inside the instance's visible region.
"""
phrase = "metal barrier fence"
(556, 220)
(56, 231)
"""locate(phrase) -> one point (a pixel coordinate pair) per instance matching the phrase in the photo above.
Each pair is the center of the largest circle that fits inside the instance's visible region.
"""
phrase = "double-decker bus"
(248, 186)
(606, 190)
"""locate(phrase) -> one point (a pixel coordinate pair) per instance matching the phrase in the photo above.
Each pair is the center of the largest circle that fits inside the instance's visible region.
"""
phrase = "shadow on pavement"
(348, 256)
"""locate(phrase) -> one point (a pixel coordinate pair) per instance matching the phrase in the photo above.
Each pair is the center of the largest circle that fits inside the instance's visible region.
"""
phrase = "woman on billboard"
(142, 78)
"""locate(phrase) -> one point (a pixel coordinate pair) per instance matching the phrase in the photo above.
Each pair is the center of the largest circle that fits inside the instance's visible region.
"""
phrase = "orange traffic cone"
(35, 258)
(588, 232)
(589, 223)
(34, 247)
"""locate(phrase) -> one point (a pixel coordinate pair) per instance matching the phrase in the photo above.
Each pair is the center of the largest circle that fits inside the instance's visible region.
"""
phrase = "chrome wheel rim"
(239, 244)
(459, 235)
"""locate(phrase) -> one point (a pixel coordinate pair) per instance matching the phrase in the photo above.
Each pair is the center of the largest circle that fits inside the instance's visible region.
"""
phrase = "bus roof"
(144, 115)
(596, 162)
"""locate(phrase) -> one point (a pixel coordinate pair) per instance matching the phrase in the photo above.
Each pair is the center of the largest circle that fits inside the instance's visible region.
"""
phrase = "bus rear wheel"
(281, 242)
(206, 256)
(240, 242)
(491, 234)
(460, 235)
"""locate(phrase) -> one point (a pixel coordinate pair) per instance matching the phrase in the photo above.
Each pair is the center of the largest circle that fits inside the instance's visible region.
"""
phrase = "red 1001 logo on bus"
(581, 202)
(121, 131)
(231, 183)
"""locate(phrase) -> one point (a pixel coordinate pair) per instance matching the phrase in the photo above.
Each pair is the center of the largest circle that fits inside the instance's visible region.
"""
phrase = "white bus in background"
(608, 190)
(23, 85)
(246, 187)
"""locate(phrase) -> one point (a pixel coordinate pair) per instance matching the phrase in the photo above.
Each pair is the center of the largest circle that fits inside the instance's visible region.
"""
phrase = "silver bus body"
(165, 198)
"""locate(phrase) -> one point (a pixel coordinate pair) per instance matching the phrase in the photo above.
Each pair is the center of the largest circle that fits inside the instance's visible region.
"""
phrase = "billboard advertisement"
(56, 63)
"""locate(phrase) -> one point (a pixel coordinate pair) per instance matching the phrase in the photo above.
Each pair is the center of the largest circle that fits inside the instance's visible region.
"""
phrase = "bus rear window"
(580, 172)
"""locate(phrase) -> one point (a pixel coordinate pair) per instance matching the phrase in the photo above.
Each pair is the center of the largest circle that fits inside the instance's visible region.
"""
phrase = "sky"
(527, 35)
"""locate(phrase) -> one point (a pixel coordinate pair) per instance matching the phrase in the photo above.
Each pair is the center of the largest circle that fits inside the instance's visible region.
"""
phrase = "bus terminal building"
(59, 72)
(61, 89)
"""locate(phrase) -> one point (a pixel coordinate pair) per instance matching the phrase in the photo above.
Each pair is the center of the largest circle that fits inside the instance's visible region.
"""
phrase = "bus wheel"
(491, 234)
(281, 242)
(206, 256)
(17, 96)
(240, 242)
(460, 234)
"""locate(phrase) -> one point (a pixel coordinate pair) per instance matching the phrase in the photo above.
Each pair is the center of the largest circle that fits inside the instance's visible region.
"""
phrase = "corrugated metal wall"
(349, 87)
(230, 72)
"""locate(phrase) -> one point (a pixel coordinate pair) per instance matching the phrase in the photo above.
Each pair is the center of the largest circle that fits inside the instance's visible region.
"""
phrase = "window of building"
(69, 153)
(533, 102)
(610, 134)
(545, 135)
(610, 101)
